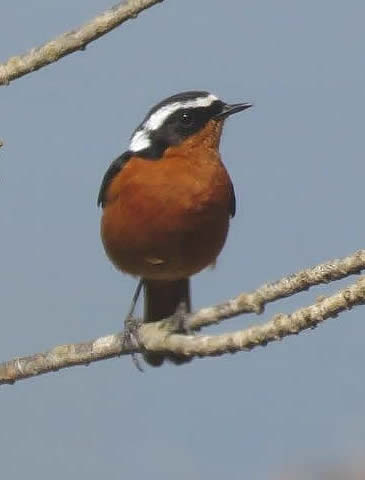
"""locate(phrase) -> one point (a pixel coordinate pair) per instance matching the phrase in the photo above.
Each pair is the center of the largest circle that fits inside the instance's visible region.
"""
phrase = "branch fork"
(162, 337)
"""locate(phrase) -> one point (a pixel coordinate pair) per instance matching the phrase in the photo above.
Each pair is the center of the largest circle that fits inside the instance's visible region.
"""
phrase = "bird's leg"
(132, 324)
(135, 299)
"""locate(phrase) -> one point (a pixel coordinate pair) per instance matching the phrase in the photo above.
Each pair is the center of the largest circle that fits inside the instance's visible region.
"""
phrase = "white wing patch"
(141, 139)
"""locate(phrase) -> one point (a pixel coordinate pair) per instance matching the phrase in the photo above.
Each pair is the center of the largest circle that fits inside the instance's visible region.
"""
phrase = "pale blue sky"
(297, 164)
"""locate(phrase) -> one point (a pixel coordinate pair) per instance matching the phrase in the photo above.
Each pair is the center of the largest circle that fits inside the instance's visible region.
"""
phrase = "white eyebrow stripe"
(155, 121)
(141, 138)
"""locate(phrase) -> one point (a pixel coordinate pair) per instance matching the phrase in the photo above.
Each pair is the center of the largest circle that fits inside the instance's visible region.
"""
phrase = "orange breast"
(167, 219)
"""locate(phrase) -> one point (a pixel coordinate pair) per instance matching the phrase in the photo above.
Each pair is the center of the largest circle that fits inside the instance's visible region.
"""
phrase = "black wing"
(115, 167)
(232, 205)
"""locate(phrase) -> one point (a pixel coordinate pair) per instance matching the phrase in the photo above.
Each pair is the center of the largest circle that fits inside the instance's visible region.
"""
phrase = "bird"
(167, 203)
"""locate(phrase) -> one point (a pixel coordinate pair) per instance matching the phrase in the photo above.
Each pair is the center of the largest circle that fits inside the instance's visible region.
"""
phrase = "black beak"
(234, 108)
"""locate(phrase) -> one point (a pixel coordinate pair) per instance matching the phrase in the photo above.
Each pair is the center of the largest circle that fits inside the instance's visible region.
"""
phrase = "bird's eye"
(186, 118)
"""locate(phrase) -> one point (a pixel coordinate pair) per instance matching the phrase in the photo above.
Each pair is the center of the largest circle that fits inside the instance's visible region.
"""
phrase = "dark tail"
(161, 299)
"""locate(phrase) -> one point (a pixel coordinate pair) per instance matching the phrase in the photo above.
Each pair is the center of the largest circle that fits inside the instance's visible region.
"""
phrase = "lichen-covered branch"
(254, 302)
(160, 336)
(64, 356)
(278, 327)
(72, 41)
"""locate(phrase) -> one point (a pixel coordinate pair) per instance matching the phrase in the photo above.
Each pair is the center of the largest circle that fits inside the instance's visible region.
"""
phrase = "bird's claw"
(131, 337)
(180, 320)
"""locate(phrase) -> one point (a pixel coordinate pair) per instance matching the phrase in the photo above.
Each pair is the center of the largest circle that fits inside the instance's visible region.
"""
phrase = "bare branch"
(72, 41)
(278, 327)
(160, 336)
(254, 302)
(64, 356)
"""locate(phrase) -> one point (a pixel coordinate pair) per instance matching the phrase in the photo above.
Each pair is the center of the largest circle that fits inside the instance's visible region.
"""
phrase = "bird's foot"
(131, 337)
(179, 321)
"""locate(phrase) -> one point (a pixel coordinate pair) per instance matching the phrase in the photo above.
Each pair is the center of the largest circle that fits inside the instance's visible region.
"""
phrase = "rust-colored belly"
(165, 222)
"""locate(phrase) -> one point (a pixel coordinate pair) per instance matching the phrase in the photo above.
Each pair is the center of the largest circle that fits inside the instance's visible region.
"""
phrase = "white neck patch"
(141, 139)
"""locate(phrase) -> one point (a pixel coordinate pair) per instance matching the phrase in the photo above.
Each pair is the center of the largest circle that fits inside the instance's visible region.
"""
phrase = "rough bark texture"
(160, 336)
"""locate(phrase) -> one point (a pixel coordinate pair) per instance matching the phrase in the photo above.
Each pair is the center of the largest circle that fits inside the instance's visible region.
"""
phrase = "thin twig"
(159, 336)
(72, 41)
